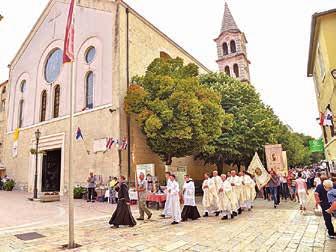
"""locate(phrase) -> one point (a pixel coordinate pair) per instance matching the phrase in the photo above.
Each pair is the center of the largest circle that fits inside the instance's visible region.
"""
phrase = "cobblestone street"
(263, 229)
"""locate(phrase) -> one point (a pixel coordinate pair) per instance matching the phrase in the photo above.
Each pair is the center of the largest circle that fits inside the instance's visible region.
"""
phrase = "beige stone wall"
(94, 125)
(145, 44)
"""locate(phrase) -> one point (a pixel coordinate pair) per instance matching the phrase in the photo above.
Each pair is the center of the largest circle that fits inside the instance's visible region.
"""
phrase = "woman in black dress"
(122, 215)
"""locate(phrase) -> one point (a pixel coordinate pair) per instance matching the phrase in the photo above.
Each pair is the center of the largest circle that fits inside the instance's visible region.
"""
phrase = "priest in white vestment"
(174, 200)
(210, 196)
(236, 191)
(190, 210)
(225, 196)
(250, 192)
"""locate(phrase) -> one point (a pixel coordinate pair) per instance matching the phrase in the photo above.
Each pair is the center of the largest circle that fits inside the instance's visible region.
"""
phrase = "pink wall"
(93, 28)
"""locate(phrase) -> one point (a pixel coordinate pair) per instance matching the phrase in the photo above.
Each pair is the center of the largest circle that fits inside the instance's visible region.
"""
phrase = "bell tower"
(231, 49)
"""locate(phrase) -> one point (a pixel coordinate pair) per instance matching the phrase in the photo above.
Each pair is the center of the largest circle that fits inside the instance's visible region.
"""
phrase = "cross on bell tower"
(231, 49)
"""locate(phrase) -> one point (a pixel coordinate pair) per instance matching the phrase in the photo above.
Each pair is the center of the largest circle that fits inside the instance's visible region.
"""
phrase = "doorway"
(51, 171)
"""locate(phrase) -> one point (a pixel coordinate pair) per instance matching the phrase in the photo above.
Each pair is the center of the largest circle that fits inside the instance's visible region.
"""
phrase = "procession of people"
(225, 196)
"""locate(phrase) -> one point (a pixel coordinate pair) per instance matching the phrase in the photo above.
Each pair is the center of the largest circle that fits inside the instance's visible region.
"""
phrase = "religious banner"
(274, 158)
(316, 145)
(15, 142)
(145, 169)
(284, 159)
(257, 169)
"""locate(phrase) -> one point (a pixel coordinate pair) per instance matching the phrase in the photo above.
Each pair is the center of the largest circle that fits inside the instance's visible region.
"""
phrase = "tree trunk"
(169, 159)
(220, 166)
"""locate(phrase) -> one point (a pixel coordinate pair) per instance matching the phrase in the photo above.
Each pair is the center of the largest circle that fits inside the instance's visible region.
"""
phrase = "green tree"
(177, 114)
(253, 123)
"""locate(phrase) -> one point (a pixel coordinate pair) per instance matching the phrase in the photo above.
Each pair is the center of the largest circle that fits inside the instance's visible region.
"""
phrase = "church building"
(231, 49)
(113, 43)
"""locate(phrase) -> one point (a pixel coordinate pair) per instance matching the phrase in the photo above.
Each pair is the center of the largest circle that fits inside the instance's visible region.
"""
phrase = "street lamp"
(37, 138)
(333, 73)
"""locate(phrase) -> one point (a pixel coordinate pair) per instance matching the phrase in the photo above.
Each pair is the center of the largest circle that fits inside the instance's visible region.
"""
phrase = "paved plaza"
(263, 229)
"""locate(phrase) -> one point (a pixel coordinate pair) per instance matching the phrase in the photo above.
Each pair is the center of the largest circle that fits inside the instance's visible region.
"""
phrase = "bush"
(9, 185)
(78, 192)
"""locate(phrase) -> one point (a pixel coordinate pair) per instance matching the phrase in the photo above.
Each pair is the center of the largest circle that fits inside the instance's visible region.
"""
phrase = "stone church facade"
(113, 43)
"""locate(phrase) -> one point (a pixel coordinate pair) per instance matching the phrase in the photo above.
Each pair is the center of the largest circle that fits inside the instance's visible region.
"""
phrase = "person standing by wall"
(142, 194)
(91, 186)
(321, 199)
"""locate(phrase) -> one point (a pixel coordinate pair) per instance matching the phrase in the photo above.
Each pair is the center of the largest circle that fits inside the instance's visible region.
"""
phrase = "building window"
(20, 122)
(321, 62)
(53, 65)
(225, 49)
(227, 70)
(57, 94)
(3, 90)
(236, 70)
(233, 46)
(89, 90)
(43, 106)
(90, 54)
(23, 86)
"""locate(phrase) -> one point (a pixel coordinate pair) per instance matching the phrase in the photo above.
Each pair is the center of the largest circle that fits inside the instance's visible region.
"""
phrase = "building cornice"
(230, 56)
(312, 44)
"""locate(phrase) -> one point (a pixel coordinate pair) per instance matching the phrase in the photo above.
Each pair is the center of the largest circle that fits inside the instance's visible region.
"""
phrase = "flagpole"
(71, 243)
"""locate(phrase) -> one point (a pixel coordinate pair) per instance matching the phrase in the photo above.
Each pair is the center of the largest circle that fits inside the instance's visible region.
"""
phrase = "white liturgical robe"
(175, 201)
(189, 193)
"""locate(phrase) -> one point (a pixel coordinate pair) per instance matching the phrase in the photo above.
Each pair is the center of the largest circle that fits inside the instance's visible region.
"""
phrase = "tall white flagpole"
(70, 179)
(71, 136)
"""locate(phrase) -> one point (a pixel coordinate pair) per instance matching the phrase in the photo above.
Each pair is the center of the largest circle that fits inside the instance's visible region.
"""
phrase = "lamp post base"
(33, 199)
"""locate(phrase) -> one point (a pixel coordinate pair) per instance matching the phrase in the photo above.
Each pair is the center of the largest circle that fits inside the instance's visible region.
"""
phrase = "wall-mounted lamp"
(333, 73)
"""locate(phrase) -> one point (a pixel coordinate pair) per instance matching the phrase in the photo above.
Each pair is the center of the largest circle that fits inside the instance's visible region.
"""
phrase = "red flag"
(68, 52)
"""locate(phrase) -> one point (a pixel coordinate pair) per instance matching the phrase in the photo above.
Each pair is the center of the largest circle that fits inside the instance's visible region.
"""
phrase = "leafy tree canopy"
(178, 115)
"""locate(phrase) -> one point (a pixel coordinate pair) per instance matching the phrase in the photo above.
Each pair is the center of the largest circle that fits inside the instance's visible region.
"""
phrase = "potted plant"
(9, 185)
(78, 192)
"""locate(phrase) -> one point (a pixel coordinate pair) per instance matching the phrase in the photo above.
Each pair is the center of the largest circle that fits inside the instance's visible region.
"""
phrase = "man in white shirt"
(142, 194)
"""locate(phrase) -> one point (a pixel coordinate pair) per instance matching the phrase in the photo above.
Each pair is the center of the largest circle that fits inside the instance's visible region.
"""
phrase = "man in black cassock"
(122, 215)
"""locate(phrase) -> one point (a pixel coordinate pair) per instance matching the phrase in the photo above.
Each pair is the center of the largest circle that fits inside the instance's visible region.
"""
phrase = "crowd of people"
(226, 196)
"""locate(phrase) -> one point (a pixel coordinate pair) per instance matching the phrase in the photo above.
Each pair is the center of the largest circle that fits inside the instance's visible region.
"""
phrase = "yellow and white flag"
(257, 169)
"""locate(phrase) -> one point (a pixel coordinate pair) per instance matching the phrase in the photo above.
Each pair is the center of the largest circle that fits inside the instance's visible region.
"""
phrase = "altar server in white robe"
(249, 188)
(210, 196)
(167, 209)
(225, 195)
(236, 184)
(174, 199)
(218, 183)
(190, 210)
(243, 191)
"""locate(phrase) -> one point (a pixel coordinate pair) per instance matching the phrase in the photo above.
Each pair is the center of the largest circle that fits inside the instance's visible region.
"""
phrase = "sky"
(277, 31)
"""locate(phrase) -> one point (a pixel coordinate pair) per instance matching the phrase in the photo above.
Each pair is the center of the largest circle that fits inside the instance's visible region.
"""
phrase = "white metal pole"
(70, 186)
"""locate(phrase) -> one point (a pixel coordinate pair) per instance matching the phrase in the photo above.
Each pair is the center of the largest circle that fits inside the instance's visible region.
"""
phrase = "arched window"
(233, 46)
(23, 86)
(43, 106)
(20, 121)
(57, 94)
(227, 70)
(225, 49)
(236, 70)
(89, 90)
